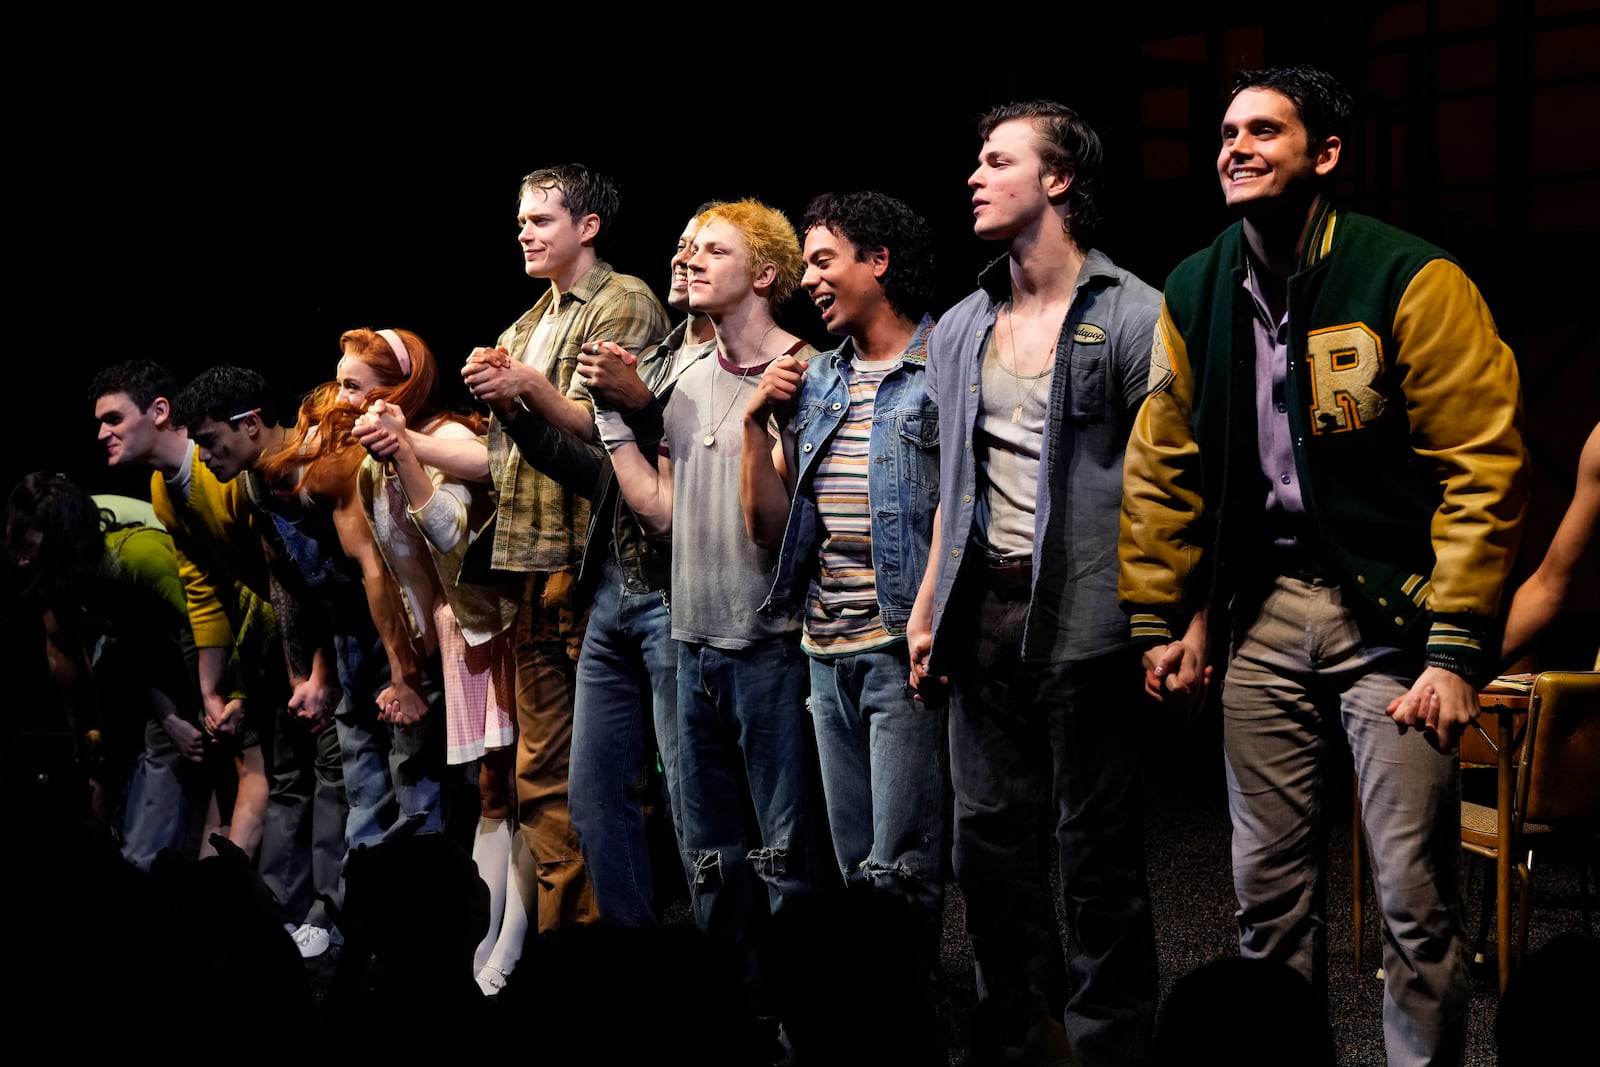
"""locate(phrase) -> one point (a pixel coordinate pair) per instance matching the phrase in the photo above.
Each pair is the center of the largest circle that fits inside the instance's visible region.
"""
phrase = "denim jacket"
(902, 479)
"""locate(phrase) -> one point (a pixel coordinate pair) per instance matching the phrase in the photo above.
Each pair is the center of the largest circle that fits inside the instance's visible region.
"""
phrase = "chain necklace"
(711, 435)
(1033, 380)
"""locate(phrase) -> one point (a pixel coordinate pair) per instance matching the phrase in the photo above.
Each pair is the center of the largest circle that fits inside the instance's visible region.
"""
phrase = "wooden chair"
(1549, 795)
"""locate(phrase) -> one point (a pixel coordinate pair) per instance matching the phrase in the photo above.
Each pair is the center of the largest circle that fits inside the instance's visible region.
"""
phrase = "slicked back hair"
(1066, 143)
(584, 192)
(1325, 106)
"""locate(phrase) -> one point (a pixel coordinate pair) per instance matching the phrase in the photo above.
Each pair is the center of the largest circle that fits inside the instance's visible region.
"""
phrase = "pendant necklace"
(1033, 380)
(711, 435)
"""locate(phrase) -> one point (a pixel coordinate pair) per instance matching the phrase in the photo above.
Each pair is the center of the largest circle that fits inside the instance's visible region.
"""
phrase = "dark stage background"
(207, 192)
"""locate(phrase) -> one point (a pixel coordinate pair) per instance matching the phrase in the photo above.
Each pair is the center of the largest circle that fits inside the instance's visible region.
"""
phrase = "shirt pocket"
(1087, 402)
(918, 437)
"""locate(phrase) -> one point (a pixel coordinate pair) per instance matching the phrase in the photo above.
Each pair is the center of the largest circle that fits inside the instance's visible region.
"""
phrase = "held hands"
(610, 373)
(313, 703)
(776, 390)
(401, 706)
(1441, 704)
(223, 717)
(1177, 676)
(491, 376)
(381, 429)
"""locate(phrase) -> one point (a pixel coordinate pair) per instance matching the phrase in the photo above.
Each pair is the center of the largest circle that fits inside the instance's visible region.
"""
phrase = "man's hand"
(223, 717)
(776, 390)
(610, 373)
(927, 688)
(381, 429)
(1441, 704)
(186, 737)
(1178, 676)
(313, 703)
(402, 706)
(493, 377)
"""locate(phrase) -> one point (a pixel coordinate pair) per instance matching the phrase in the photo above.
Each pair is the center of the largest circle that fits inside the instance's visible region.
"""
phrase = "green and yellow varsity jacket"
(1405, 413)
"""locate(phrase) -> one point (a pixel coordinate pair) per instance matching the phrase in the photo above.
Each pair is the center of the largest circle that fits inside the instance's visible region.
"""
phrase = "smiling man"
(850, 505)
(540, 523)
(1331, 454)
(1037, 376)
(625, 703)
(751, 814)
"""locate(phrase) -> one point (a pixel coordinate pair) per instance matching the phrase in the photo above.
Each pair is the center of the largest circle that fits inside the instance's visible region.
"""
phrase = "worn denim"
(1036, 747)
(747, 761)
(625, 710)
(1304, 676)
(163, 791)
(391, 776)
(303, 845)
(902, 481)
(884, 776)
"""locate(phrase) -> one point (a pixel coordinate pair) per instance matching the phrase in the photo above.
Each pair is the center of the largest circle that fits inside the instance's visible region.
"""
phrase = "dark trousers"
(1031, 744)
(302, 843)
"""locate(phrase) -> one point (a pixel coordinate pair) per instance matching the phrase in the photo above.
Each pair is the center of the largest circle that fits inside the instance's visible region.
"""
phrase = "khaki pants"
(556, 890)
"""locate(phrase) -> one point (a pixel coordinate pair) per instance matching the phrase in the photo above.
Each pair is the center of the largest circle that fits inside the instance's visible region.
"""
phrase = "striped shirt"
(842, 615)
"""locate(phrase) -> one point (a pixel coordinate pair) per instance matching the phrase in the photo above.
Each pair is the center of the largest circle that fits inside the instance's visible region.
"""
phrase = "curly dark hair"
(221, 393)
(871, 220)
(143, 380)
(1325, 106)
(1066, 143)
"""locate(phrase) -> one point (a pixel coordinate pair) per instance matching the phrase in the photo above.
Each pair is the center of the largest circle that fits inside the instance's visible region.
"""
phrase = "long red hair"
(321, 447)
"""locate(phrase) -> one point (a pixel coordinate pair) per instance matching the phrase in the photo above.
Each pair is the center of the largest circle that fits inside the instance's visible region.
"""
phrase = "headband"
(400, 354)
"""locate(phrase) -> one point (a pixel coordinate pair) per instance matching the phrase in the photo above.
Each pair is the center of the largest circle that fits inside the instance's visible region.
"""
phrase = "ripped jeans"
(747, 765)
(885, 775)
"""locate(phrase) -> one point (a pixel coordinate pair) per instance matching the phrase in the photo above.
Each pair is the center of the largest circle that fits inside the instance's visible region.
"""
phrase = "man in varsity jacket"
(1331, 457)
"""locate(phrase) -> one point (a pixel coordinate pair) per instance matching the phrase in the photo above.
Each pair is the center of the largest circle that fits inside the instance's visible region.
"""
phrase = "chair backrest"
(1564, 773)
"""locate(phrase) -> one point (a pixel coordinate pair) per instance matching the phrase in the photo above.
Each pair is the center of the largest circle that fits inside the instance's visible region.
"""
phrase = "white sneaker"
(312, 940)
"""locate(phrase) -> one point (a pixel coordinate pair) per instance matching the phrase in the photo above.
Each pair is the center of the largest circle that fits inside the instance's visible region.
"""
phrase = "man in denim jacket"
(1037, 376)
(850, 507)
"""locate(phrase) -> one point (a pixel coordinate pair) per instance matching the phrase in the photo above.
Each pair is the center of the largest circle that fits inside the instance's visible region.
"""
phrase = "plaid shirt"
(541, 525)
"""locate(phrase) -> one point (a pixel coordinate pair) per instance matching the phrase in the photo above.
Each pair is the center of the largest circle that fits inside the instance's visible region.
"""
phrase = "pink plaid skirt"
(480, 689)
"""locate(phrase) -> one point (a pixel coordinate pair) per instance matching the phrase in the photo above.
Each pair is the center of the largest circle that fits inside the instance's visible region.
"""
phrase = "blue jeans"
(747, 761)
(1036, 748)
(884, 776)
(625, 709)
(303, 840)
(1303, 676)
(391, 776)
(163, 789)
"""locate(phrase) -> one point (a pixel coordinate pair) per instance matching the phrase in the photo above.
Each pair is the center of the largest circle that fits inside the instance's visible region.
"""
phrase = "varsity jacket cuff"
(1461, 645)
(1148, 629)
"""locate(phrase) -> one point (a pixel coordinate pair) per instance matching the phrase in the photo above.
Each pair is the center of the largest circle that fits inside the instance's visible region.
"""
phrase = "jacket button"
(955, 553)
(1398, 621)
(837, 405)
(808, 446)
(1362, 579)
(966, 498)
(1383, 601)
